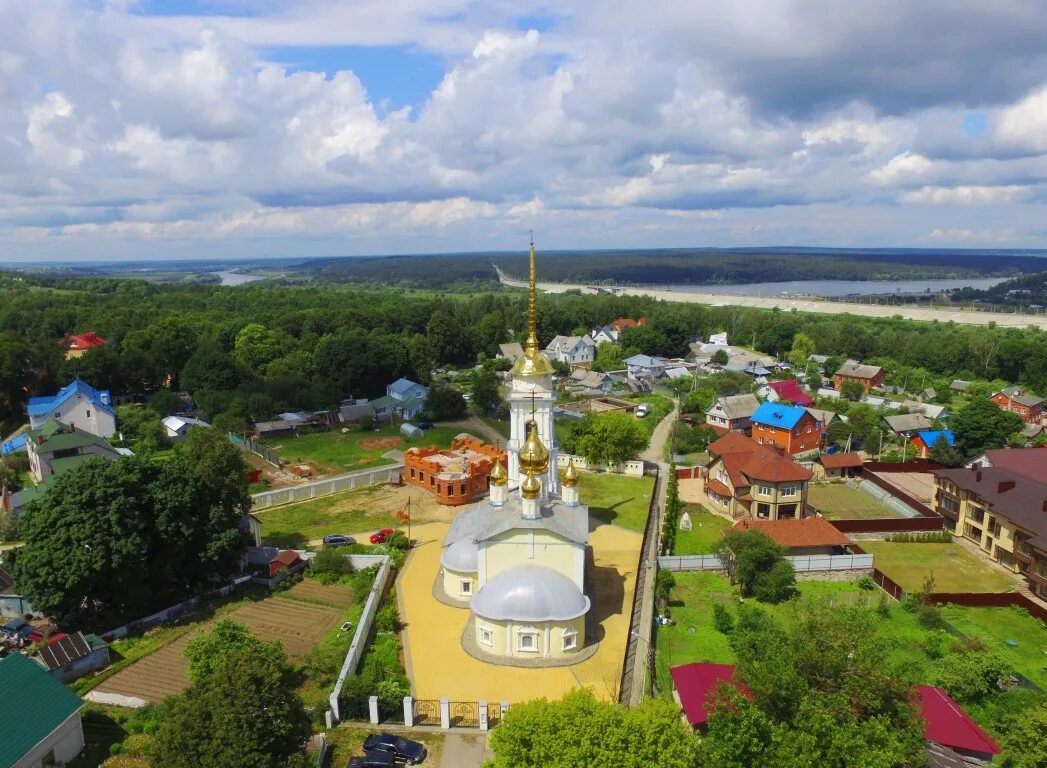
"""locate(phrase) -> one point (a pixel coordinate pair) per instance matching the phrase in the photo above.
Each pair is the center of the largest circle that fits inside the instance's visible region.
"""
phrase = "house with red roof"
(836, 466)
(747, 479)
(946, 724)
(787, 391)
(807, 536)
(627, 322)
(80, 343)
(695, 684)
(284, 559)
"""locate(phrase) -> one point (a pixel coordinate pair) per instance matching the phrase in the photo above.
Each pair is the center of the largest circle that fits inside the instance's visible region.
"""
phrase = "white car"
(642, 411)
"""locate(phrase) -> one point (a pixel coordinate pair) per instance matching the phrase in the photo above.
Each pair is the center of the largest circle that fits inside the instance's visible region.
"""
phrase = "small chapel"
(516, 559)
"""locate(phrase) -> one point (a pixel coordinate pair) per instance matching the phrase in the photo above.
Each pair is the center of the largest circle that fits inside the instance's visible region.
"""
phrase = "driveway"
(463, 750)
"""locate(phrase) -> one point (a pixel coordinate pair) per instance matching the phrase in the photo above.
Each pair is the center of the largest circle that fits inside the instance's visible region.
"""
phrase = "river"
(834, 288)
(230, 277)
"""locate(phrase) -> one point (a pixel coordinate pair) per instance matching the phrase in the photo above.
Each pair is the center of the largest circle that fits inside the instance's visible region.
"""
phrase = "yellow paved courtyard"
(440, 668)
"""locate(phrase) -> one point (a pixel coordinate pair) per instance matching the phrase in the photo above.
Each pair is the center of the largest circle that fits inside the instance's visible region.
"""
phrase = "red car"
(380, 536)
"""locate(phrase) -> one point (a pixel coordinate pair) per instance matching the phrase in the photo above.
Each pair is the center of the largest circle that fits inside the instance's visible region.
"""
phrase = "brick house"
(1002, 509)
(454, 476)
(788, 427)
(747, 479)
(732, 414)
(1017, 400)
(869, 376)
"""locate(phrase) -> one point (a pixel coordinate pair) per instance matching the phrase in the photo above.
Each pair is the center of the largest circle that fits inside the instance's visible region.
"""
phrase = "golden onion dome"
(532, 363)
(569, 477)
(531, 488)
(534, 457)
(498, 474)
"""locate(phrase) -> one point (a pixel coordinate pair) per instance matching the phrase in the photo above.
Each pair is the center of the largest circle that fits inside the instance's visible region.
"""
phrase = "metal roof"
(41, 406)
(460, 556)
(530, 593)
(778, 415)
(32, 705)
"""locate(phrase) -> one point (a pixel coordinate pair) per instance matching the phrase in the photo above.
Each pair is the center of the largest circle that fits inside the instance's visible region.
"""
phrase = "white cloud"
(903, 167)
(1024, 125)
(969, 195)
(49, 128)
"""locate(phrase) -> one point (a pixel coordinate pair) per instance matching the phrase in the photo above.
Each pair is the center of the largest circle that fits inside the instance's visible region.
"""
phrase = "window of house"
(467, 587)
(461, 488)
(788, 490)
(948, 503)
(486, 637)
(763, 490)
(49, 760)
(88, 413)
(570, 640)
(527, 641)
(763, 510)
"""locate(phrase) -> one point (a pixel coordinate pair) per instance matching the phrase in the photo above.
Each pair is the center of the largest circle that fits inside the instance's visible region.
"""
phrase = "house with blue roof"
(644, 367)
(403, 397)
(788, 427)
(923, 440)
(78, 405)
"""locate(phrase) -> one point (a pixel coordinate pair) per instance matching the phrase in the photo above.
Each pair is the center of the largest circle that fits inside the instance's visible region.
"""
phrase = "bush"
(387, 620)
(971, 677)
(883, 608)
(398, 541)
(866, 583)
(929, 616)
(920, 537)
(723, 619)
(776, 586)
(329, 561)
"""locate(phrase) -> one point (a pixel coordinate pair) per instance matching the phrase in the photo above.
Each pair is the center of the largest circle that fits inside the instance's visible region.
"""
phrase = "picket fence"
(800, 563)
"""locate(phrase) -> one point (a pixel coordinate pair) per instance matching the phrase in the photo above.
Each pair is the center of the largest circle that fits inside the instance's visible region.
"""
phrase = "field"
(706, 531)
(954, 569)
(617, 499)
(839, 501)
(335, 452)
(298, 618)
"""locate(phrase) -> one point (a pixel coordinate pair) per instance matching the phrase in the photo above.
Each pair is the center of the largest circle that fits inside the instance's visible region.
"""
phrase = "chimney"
(1004, 486)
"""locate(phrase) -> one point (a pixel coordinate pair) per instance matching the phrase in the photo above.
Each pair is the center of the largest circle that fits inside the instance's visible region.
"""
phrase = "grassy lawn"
(617, 499)
(839, 501)
(294, 525)
(659, 406)
(706, 530)
(332, 452)
(103, 727)
(998, 625)
(499, 426)
(954, 569)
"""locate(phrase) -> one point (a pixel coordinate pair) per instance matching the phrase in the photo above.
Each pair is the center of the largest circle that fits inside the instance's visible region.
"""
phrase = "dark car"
(16, 629)
(425, 425)
(375, 759)
(411, 752)
(338, 540)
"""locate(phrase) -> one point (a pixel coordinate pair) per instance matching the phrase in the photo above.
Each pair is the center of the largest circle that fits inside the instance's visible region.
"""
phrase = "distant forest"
(1021, 291)
(675, 266)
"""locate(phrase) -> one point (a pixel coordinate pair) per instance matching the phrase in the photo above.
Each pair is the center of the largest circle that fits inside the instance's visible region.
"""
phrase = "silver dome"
(461, 557)
(530, 593)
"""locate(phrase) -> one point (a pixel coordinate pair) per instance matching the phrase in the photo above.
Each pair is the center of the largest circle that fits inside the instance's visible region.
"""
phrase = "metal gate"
(427, 711)
(494, 714)
(465, 714)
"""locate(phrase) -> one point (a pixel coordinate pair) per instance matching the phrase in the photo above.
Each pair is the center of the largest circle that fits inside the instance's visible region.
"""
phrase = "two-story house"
(603, 334)
(77, 404)
(644, 367)
(572, 350)
(403, 398)
(1001, 510)
(869, 376)
(789, 427)
(1017, 400)
(731, 414)
(747, 479)
(78, 344)
(785, 391)
(56, 447)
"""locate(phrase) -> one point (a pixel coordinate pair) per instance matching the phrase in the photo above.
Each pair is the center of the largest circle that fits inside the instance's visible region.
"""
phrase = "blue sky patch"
(243, 8)
(393, 75)
(540, 22)
(975, 123)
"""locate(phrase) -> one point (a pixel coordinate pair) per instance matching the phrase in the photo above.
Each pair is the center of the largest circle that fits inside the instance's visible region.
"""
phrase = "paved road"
(963, 317)
(463, 750)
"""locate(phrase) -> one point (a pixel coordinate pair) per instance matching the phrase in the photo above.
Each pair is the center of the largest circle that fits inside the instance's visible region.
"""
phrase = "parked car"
(16, 629)
(338, 540)
(379, 537)
(425, 425)
(376, 759)
(642, 411)
(411, 752)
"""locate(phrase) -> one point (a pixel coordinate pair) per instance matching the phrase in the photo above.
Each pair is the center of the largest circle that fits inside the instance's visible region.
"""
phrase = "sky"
(174, 129)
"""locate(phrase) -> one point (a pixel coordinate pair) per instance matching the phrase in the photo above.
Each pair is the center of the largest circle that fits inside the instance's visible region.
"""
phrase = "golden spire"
(534, 457)
(532, 362)
(569, 477)
(531, 488)
(498, 474)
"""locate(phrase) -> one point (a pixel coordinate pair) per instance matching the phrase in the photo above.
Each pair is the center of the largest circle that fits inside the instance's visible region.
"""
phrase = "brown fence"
(991, 600)
(898, 493)
(913, 465)
(890, 525)
(688, 473)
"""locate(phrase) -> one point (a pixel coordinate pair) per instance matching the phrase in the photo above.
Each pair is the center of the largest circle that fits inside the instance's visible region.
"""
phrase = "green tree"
(852, 390)
(757, 565)
(971, 676)
(1023, 743)
(221, 466)
(211, 368)
(610, 438)
(118, 539)
(244, 713)
(445, 403)
(609, 357)
(16, 372)
(803, 348)
(983, 425)
(257, 346)
(485, 390)
(578, 730)
(698, 400)
(165, 402)
(720, 357)
(208, 651)
(141, 428)
(943, 453)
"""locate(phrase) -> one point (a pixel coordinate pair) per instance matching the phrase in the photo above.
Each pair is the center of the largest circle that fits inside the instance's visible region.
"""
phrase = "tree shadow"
(605, 587)
(605, 515)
